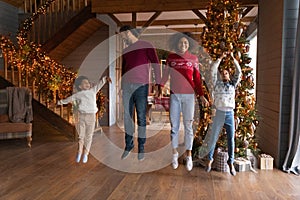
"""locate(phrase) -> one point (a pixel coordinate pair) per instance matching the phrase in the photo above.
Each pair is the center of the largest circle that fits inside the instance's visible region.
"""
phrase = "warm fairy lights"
(225, 32)
(52, 80)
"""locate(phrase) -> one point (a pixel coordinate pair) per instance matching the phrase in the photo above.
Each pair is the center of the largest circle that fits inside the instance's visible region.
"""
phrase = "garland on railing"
(51, 79)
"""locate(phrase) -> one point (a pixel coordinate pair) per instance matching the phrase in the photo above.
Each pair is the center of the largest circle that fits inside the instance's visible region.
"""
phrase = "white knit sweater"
(224, 93)
(86, 98)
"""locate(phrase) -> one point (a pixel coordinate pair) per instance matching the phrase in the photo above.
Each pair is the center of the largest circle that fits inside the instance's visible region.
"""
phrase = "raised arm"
(101, 83)
(238, 71)
(214, 69)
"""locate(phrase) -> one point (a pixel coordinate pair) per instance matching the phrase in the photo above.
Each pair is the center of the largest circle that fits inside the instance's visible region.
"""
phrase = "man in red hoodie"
(137, 59)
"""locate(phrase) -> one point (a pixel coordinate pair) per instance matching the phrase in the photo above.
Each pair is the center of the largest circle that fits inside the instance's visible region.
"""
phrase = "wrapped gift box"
(242, 164)
(220, 163)
(252, 158)
(265, 161)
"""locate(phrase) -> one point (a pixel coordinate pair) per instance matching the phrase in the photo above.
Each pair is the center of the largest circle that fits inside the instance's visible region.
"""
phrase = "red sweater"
(184, 74)
(136, 62)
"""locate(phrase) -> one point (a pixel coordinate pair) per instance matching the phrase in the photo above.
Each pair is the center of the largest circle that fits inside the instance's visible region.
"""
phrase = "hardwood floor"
(48, 171)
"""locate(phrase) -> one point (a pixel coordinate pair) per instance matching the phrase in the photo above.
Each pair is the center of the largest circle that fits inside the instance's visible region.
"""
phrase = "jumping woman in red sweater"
(185, 81)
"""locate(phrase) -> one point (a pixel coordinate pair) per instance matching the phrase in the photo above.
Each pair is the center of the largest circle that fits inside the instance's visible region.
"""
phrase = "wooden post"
(54, 100)
(12, 74)
(26, 78)
(25, 6)
(19, 77)
(73, 5)
(35, 6)
(30, 6)
(61, 112)
(5, 65)
(69, 111)
(45, 29)
(33, 89)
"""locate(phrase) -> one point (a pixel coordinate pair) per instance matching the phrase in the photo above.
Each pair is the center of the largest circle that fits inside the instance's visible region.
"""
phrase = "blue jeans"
(135, 96)
(226, 119)
(184, 103)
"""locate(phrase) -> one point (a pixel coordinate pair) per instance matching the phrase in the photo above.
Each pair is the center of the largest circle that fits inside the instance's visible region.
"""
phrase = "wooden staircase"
(72, 35)
(77, 24)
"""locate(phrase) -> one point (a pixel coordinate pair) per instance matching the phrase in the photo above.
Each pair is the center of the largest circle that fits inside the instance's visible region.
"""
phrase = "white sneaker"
(78, 157)
(85, 158)
(175, 161)
(189, 163)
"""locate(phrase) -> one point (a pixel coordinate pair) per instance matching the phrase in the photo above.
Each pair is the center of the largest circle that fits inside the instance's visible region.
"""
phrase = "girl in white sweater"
(87, 108)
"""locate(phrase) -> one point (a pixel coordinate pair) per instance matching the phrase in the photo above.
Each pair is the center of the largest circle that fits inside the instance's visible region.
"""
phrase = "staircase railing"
(55, 17)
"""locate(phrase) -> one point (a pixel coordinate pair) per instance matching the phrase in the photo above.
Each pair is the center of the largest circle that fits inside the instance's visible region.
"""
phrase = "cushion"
(8, 127)
(4, 118)
(3, 102)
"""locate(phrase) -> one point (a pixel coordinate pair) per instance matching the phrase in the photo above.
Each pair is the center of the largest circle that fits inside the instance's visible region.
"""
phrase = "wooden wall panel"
(276, 50)
(9, 20)
(269, 75)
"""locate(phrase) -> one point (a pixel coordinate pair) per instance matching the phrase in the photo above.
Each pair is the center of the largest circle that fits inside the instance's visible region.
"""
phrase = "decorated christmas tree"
(224, 32)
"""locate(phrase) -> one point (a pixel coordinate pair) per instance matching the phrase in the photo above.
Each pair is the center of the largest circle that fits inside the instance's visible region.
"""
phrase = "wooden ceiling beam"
(168, 22)
(151, 20)
(166, 31)
(179, 22)
(134, 19)
(248, 19)
(248, 9)
(129, 6)
(199, 14)
(115, 19)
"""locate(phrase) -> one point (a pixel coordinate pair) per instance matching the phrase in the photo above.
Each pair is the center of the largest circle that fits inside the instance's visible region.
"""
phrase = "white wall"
(111, 44)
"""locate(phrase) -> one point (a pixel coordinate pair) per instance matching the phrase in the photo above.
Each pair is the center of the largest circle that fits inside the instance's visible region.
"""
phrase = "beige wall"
(91, 60)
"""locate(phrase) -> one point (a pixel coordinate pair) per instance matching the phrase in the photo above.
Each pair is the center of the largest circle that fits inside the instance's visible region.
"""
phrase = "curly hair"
(177, 36)
(78, 82)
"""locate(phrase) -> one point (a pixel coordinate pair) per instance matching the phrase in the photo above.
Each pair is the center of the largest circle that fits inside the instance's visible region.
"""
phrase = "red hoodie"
(184, 74)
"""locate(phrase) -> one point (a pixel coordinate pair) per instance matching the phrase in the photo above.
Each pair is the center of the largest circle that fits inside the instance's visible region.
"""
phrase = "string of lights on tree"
(224, 32)
(51, 79)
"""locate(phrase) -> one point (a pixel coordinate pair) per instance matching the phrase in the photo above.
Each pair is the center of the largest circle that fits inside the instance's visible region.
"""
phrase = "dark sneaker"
(141, 155)
(231, 169)
(126, 154)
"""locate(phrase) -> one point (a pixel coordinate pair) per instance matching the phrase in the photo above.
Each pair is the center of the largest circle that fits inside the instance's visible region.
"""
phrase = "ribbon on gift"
(266, 156)
(244, 161)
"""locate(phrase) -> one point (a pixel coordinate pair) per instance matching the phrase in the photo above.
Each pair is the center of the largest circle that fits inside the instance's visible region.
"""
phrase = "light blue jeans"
(226, 119)
(185, 104)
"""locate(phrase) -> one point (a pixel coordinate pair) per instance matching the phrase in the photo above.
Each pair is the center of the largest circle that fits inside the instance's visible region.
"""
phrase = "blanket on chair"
(19, 104)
